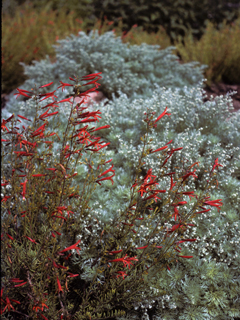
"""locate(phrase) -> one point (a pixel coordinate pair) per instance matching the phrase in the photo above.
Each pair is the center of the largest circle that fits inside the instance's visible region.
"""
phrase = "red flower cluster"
(81, 140)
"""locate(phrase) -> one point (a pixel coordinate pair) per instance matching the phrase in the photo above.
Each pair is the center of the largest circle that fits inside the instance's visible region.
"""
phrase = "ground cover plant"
(200, 128)
(46, 215)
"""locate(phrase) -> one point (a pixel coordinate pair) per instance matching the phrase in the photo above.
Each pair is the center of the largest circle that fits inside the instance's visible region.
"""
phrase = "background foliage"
(176, 16)
(30, 30)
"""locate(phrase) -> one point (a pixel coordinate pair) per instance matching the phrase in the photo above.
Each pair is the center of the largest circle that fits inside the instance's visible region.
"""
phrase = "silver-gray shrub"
(130, 69)
(137, 78)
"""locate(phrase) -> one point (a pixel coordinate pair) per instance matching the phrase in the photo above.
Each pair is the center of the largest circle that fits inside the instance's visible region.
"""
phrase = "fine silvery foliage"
(199, 127)
(131, 69)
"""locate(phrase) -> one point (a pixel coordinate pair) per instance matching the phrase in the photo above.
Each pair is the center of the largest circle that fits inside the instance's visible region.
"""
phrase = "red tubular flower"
(186, 257)
(3, 125)
(42, 115)
(195, 163)
(128, 224)
(22, 92)
(145, 186)
(32, 240)
(8, 304)
(173, 150)
(124, 260)
(71, 275)
(74, 246)
(48, 95)
(59, 285)
(121, 274)
(91, 82)
(149, 175)
(10, 237)
(23, 117)
(102, 146)
(50, 104)
(43, 305)
(91, 76)
(58, 265)
(202, 211)
(181, 241)
(103, 127)
(63, 85)
(216, 165)
(65, 100)
(161, 115)
(39, 129)
(114, 252)
(159, 149)
(49, 115)
(46, 85)
(175, 227)
(21, 284)
(181, 203)
(176, 213)
(23, 153)
(24, 188)
(108, 178)
(139, 248)
(172, 184)
(5, 198)
(15, 280)
(214, 203)
(189, 174)
(188, 193)
(152, 196)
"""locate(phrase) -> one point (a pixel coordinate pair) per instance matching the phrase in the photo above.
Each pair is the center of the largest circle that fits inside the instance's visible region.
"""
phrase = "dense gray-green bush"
(140, 78)
(131, 69)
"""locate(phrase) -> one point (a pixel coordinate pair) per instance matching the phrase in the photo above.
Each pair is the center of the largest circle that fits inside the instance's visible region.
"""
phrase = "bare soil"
(217, 89)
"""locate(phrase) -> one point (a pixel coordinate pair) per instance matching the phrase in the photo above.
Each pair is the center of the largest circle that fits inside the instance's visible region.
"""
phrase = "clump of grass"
(219, 49)
(29, 36)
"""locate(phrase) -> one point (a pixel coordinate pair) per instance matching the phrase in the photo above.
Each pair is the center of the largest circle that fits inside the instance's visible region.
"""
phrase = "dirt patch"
(218, 89)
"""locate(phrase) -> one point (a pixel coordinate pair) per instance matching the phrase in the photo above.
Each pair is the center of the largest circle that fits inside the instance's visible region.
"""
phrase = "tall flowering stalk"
(42, 254)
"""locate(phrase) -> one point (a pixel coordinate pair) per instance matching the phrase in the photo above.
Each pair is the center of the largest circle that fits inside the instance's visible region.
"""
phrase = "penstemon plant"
(45, 212)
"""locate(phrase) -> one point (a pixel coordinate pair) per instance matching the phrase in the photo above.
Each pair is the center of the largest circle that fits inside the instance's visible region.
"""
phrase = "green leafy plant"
(46, 214)
(178, 17)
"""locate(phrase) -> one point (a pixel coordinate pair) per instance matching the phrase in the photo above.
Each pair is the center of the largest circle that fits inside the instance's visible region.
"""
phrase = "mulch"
(217, 89)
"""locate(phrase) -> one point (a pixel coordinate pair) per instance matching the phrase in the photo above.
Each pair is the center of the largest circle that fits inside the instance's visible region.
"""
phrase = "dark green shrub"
(176, 16)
